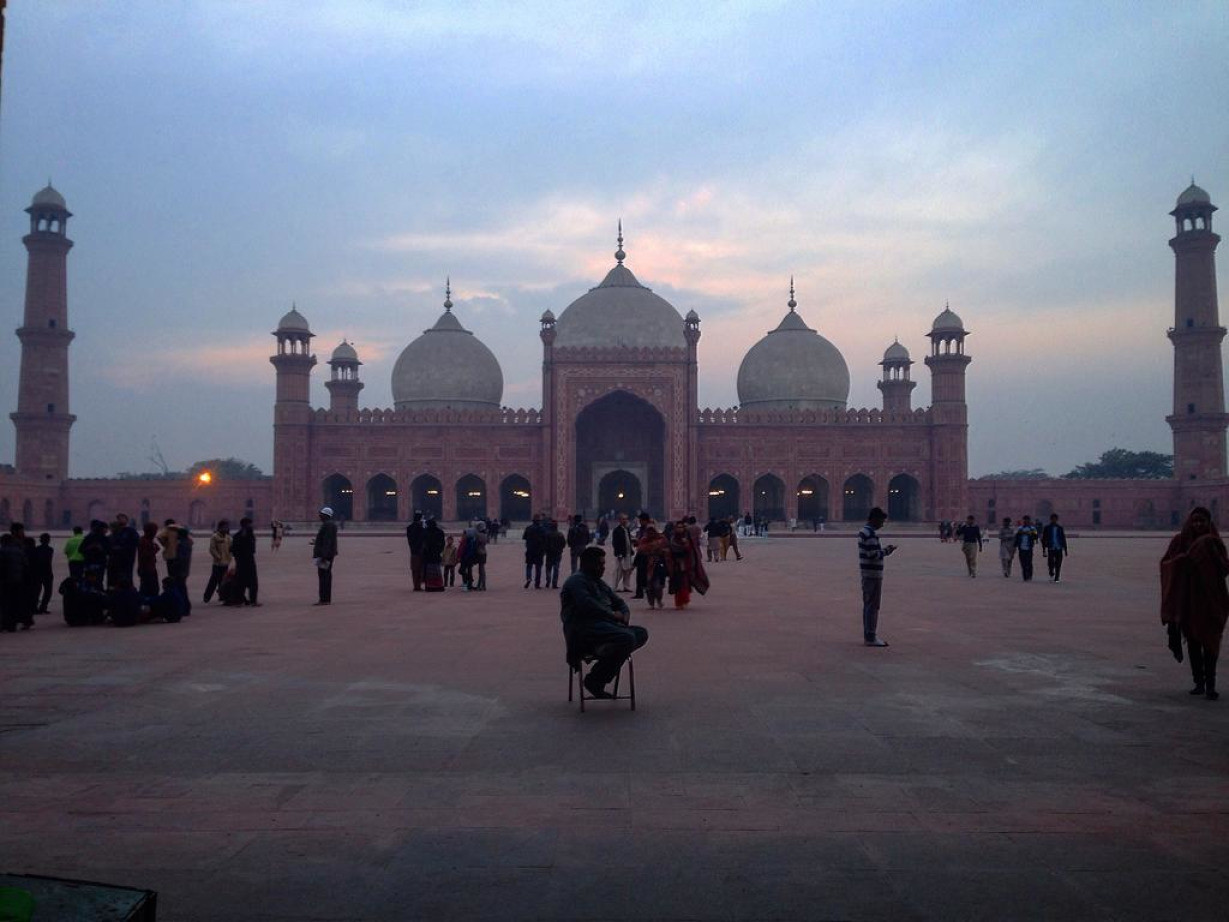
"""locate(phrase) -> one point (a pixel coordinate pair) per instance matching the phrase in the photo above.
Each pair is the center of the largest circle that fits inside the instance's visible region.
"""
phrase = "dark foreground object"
(59, 900)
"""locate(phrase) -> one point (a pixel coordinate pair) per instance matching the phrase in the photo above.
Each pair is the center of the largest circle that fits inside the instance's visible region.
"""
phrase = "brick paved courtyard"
(1021, 751)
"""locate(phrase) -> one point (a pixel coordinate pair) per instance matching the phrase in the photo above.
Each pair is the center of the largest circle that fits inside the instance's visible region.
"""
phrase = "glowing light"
(433, 492)
(204, 477)
(806, 492)
(474, 493)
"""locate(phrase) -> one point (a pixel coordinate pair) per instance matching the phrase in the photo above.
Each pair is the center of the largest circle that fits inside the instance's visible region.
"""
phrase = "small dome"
(895, 353)
(345, 353)
(49, 196)
(548, 316)
(620, 312)
(692, 317)
(293, 322)
(1192, 195)
(793, 368)
(448, 366)
(947, 322)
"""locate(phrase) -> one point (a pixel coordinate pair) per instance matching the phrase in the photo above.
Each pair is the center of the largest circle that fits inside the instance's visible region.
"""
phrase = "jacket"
(325, 546)
(219, 549)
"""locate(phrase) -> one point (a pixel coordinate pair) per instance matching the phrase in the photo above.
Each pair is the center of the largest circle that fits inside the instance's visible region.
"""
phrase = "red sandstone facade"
(620, 427)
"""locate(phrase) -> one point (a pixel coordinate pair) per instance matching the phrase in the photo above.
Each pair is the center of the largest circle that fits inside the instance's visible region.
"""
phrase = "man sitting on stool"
(595, 623)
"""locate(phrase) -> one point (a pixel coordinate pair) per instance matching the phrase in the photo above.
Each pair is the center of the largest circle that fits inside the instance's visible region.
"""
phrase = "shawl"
(1193, 591)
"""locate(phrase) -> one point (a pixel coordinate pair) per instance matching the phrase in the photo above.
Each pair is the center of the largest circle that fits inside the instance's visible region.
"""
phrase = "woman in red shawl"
(1194, 600)
(686, 570)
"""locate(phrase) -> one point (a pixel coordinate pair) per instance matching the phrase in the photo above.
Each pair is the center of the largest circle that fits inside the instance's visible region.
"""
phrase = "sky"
(224, 160)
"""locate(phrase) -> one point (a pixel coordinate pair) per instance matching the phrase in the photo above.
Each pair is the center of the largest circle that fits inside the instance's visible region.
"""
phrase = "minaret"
(42, 418)
(896, 385)
(292, 416)
(1199, 419)
(344, 385)
(949, 459)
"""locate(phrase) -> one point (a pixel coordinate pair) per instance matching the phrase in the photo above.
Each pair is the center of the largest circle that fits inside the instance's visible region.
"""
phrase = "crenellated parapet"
(831, 417)
(620, 355)
(505, 416)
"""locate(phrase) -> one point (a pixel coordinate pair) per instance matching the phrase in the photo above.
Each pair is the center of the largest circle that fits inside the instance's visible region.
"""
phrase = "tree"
(1118, 463)
(1033, 473)
(226, 469)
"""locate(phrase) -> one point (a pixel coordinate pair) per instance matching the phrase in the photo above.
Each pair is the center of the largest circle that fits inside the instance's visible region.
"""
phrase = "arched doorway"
(196, 514)
(471, 498)
(813, 499)
(515, 499)
(428, 495)
(338, 495)
(620, 490)
(723, 500)
(381, 499)
(904, 499)
(620, 433)
(27, 515)
(48, 514)
(768, 498)
(858, 496)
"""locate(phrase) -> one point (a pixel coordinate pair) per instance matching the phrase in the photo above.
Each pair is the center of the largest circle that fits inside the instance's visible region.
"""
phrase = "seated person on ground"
(172, 605)
(124, 603)
(595, 623)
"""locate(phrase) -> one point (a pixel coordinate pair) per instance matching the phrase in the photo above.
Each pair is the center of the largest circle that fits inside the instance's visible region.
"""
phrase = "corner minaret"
(292, 417)
(949, 455)
(1199, 419)
(896, 385)
(344, 385)
(42, 418)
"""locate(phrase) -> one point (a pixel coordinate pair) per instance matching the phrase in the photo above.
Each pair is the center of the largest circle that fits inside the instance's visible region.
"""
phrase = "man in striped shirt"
(870, 561)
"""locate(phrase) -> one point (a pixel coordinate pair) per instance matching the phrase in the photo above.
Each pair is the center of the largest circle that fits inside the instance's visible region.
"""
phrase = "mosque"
(620, 426)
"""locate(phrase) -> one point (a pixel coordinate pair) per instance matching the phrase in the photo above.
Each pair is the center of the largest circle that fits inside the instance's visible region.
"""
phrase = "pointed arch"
(381, 499)
(858, 497)
(471, 498)
(723, 497)
(338, 494)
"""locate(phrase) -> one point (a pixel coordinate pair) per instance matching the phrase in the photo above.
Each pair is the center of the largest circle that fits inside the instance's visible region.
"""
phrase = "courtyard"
(1021, 751)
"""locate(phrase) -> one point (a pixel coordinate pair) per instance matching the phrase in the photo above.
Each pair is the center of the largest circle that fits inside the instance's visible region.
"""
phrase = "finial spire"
(792, 302)
(448, 294)
(619, 254)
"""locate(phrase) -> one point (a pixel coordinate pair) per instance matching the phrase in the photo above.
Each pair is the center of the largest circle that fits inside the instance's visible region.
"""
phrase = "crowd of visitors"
(1015, 538)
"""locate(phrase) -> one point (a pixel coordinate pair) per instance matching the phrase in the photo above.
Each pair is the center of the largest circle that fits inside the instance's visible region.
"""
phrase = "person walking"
(147, 561)
(277, 531)
(970, 544)
(686, 568)
(414, 537)
(244, 550)
(324, 552)
(624, 550)
(731, 539)
(14, 585)
(449, 561)
(578, 539)
(1007, 546)
(1026, 541)
(652, 548)
(1054, 547)
(870, 563)
(1194, 600)
(535, 551)
(220, 556)
(40, 571)
(556, 543)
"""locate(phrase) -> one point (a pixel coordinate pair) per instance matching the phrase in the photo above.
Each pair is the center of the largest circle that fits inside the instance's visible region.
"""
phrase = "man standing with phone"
(870, 562)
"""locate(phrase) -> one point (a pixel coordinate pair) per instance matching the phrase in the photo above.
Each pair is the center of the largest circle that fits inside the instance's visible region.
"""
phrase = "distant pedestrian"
(624, 550)
(578, 539)
(433, 542)
(1194, 600)
(147, 561)
(1054, 546)
(14, 585)
(219, 556)
(556, 544)
(324, 552)
(870, 563)
(1026, 541)
(653, 548)
(72, 553)
(449, 562)
(534, 537)
(414, 537)
(970, 543)
(244, 549)
(41, 572)
(124, 541)
(277, 531)
(1007, 545)
(731, 538)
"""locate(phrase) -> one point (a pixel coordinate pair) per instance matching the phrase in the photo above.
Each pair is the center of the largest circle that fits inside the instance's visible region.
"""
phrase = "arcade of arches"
(382, 498)
(813, 494)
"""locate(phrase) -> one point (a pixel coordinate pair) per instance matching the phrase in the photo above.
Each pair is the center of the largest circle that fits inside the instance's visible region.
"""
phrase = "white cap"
(327, 510)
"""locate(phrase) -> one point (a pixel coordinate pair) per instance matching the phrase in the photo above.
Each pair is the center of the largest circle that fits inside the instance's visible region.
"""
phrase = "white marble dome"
(947, 322)
(447, 367)
(345, 353)
(49, 196)
(895, 353)
(793, 368)
(1191, 195)
(620, 312)
(293, 322)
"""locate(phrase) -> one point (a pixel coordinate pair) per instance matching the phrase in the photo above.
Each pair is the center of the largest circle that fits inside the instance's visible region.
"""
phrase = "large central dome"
(793, 368)
(620, 312)
(447, 367)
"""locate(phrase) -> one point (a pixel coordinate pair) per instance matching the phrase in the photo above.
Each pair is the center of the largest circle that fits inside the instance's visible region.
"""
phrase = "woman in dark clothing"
(656, 569)
(147, 561)
(433, 541)
(1194, 599)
